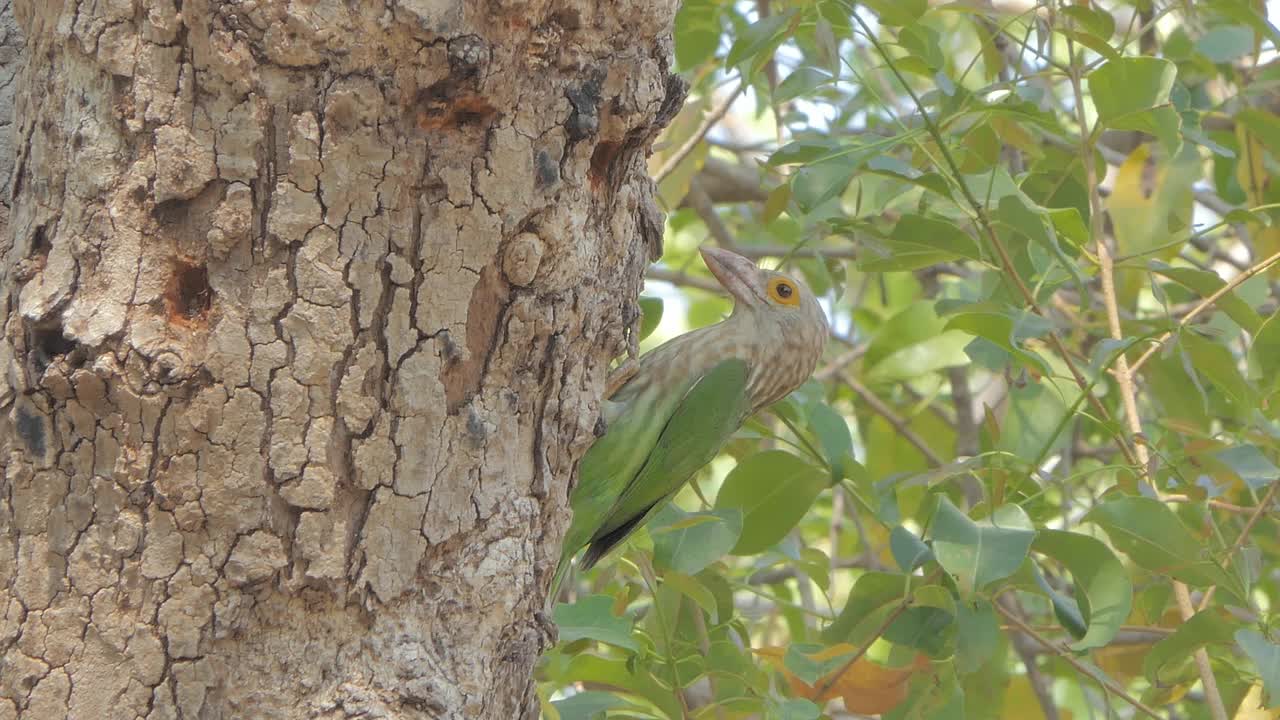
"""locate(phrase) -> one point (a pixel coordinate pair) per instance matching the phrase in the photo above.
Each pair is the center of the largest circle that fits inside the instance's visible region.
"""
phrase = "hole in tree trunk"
(46, 343)
(40, 245)
(189, 296)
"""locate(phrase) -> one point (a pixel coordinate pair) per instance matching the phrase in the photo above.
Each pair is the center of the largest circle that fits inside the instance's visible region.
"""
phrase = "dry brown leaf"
(867, 687)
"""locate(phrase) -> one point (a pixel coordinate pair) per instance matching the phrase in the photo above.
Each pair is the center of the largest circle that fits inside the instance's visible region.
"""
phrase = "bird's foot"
(547, 630)
(619, 377)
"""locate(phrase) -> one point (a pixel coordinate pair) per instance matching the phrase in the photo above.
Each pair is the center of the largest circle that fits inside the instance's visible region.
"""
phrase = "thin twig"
(769, 576)
(1230, 285)
(650, 579)
(708, 122)
(1034, 676)
(675, 277)
(1124, 373)
(1244, 535)
(1215, 504)
(1070, 660)
(706, 210)
(704, 642)
(897, 422)
(1006, 260)
(842, 361)
(835, 677)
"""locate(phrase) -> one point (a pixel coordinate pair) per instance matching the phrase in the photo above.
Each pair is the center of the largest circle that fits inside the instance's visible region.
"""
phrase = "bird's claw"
(619, 377)
(547, 630)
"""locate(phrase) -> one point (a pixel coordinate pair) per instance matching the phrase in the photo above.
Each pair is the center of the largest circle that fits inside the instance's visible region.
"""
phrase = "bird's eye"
(783, 291)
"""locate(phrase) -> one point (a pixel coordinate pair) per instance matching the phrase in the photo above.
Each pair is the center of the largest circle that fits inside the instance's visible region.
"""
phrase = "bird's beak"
(736, 274)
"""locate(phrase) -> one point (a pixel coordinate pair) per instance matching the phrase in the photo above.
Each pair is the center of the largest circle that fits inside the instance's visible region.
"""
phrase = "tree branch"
(707, 123)
(1070, 659)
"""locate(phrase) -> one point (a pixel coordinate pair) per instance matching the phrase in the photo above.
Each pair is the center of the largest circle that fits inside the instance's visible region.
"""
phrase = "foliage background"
(1035, 475)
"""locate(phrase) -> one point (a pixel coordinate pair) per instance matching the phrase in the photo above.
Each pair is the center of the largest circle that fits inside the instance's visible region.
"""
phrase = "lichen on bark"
(306, 311)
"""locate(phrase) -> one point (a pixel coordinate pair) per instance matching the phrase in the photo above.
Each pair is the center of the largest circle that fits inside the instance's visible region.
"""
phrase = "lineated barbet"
(686, 398)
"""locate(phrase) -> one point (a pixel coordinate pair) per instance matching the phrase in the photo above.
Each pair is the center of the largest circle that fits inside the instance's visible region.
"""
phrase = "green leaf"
(621, 674)
(1064, 608)
(937, 233)
(688, 542)
(897, 12)
(1166, 661)
(1250, 464)
(1226, 43)
(792, 709)
(1096, 21)
(1070, 225)
(650, 315)
(693, 589)
(1133, 93)
(806, 150)
(757, 37)
(1004, 326)
(1093, 42)
(977, 555)
(871, 591)
(592, 617)
(942, 351)
(909, 551)
(588, 705)
(1156, 540)
(816, 183)
(1264, 353)
(923, 42)
(777, 201)
(802, 81)
(697, 32)
(914, 323)
(800, 661)
(1103, 589)
(1206, 283)
(1216, 362)
(1266, 656)
(979, 634)
(773, 489)
(1121, 88)
(1264, 125)
(833, 434)
(923, 628)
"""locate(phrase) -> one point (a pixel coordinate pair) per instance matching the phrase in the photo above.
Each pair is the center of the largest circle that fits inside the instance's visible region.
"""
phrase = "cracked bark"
(306, 311)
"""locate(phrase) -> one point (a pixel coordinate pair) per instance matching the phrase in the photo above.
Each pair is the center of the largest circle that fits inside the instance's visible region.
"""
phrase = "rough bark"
(307, 306)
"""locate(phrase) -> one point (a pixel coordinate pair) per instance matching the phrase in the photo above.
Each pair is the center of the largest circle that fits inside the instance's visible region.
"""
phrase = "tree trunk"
(307, 306)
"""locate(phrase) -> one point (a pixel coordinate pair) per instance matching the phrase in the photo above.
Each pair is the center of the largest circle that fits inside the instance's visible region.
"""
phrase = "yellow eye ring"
(784, 292)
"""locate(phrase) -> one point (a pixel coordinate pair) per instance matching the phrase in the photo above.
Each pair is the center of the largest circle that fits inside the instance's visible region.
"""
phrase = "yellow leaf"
(1150, 209)
(1251, 173)
(1020, 702)
(1122, 662)
(1169, 694)
(867, 687)
(675, 185)
(1251, 706)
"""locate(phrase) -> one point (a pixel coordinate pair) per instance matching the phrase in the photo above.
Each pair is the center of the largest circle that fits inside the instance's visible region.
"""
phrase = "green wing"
(700, 425)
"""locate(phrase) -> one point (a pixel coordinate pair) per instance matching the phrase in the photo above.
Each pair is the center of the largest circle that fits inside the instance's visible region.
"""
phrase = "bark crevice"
(306, 310)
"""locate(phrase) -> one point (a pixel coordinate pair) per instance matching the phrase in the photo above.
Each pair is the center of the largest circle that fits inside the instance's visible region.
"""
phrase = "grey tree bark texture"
(307, 306)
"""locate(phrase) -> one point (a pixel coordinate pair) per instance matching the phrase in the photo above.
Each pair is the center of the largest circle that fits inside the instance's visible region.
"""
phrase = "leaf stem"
(646, 571)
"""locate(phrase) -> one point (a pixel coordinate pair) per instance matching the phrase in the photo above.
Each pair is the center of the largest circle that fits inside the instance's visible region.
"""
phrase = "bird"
(684, 399)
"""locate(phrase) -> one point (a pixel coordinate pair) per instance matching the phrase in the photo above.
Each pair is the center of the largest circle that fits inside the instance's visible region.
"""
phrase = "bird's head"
(779, 308)
(765, 295)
